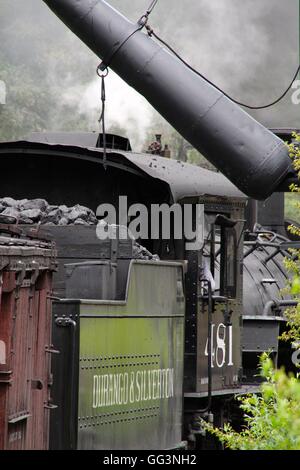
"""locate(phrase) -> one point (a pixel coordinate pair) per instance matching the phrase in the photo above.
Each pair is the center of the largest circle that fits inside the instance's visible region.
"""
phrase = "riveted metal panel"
(131, 399)
(130, 353)
(131, 364)
(260, 335)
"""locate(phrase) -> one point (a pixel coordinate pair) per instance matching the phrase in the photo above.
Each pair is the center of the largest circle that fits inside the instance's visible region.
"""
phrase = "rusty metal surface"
(25, 318)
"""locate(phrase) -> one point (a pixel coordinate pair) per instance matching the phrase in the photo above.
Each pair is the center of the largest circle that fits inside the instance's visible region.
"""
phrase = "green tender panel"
(131, 364)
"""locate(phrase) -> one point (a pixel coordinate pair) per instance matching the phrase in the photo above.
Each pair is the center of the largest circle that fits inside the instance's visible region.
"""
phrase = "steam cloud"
(126, 110)
(249, 48)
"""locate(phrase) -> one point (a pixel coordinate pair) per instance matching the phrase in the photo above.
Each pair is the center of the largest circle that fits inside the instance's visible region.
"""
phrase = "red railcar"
(26, 267)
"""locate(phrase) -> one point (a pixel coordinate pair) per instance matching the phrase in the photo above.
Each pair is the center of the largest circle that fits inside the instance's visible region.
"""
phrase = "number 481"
(221, 345)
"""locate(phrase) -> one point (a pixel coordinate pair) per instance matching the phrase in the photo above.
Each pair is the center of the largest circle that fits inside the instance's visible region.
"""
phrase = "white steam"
(126, 110)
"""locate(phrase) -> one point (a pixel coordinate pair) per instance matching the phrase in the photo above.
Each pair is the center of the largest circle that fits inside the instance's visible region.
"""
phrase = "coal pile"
(140, 252)
(38, 211)
(121, 232)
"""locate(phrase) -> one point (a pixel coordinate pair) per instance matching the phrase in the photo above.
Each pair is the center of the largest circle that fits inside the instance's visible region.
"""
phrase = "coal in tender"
(34, 214)
(9, 202)
(11, 213)
(80, 222)
(140, 252)
(79, 212)
(38, 210)
(63, 221)
(40, 204)
(54, 216)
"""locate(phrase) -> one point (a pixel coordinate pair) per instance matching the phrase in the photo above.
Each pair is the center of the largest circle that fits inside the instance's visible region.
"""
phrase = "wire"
(142, 22)
(144, 18)
(152, 33)
(151, 7)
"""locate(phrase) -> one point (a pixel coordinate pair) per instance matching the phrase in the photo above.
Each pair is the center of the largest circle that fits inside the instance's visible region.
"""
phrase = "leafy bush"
(272, 418)
(293, 265)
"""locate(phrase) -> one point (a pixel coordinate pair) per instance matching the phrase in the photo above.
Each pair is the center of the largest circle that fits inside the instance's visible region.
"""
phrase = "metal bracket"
(50, 350)
(19, 418)
(50, 406)
(5, 377)
(227, 316)
(21, 273)
(36, 272)
(65, 321)
(268, 281)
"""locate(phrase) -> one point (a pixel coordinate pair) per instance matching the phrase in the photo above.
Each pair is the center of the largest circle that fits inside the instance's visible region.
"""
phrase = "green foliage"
(291, 211)
(272, 418)
(293, 265)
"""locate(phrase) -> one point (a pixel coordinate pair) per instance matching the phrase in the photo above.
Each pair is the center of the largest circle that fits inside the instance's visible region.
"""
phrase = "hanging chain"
(103, 74)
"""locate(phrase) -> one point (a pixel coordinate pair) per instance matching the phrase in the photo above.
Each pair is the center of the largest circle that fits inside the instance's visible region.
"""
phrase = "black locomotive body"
(189, 333)
(214, 343)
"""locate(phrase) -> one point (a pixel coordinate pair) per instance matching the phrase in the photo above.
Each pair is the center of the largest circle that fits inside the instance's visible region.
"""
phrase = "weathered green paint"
(130, 346)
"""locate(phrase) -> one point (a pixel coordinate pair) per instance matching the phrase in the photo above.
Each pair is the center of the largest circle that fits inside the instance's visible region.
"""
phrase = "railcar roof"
(184, 180)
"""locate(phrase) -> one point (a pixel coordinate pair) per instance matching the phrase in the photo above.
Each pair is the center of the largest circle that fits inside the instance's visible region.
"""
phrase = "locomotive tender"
(147, 347)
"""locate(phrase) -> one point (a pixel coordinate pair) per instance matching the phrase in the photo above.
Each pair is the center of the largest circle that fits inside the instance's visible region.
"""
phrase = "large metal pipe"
(251, 156)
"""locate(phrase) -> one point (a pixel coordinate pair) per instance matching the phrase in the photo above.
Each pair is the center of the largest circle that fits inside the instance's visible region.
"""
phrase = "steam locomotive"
(143, 348)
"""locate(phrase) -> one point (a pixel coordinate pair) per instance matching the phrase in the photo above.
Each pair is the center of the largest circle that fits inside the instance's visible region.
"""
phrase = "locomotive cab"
(213, 367)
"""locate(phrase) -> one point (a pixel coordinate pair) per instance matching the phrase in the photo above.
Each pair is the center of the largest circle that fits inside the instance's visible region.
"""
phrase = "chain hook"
(102, 72)
(143, 20)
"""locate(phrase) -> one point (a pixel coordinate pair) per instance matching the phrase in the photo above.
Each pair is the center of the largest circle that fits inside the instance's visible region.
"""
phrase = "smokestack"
(251, 156)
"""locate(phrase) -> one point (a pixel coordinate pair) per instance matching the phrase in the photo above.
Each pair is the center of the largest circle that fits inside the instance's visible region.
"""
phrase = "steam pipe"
(272, 304)
(250, 155)
(209, 348)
